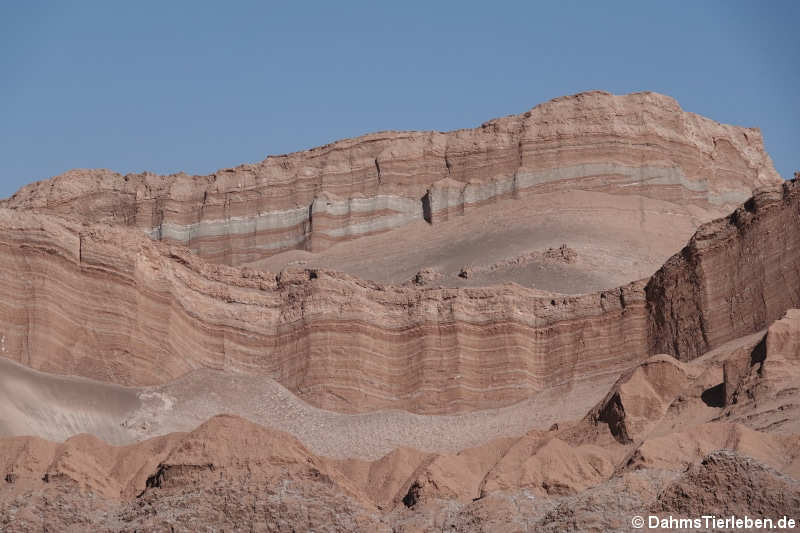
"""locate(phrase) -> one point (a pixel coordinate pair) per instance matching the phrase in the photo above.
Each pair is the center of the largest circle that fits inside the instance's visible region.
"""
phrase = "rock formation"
(641, 143)
(716, 290)
(192, 389)
(157, 312)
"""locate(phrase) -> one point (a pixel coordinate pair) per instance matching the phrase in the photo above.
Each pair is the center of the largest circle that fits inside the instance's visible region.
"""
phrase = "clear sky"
(196, 86)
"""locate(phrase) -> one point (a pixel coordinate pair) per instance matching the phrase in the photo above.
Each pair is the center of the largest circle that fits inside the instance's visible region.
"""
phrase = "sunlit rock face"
(111, 304)
(546, 323)
(641, 143)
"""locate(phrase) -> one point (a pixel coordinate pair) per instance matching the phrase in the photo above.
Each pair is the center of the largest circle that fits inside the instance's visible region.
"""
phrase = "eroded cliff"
(164, 283)
(88, 293)
(736, 276)
(107, 303)
(641, 143)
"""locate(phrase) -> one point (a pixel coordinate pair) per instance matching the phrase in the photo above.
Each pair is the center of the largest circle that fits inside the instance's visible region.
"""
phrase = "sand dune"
(58, 407)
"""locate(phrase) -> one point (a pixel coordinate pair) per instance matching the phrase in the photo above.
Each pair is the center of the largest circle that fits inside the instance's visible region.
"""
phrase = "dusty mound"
(231, 472)
(83, 463)
(731, 484)
(552, 467)
(224, 443)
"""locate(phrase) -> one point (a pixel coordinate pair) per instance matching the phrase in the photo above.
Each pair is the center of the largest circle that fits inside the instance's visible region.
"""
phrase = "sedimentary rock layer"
(641, 143)
(110, 304)
(736, 276)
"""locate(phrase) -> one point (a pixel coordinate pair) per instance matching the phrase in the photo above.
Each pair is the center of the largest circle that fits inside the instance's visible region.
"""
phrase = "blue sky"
(197, 86)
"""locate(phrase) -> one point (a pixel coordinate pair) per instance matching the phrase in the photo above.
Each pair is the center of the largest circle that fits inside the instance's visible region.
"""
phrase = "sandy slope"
(57, 407)
(618, 238)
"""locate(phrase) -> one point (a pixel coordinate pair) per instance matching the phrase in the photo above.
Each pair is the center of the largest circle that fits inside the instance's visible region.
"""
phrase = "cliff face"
(95, 282)
(108, 303)
(736, 276)
(105, 301)
(640, 143)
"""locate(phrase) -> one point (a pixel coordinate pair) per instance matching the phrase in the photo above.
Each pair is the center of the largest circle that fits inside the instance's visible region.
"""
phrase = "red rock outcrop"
(109, 304)
(640, 398)
(89, 291)
(232, 472)
(641, 143)
(761, 386)
(735, 277)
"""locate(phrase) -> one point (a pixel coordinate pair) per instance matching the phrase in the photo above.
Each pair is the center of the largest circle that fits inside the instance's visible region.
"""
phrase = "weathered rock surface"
(641, 143)
(106, 303)
(763, 387)
(735, 277)
(514, 408)
(552, 467)
(232, 473)
(155, 313)
(640, 398)
(731, 485)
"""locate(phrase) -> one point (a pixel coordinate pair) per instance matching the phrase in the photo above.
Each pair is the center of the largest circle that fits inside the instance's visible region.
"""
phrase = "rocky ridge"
(347, 344)
(641, 143)
(676, 394)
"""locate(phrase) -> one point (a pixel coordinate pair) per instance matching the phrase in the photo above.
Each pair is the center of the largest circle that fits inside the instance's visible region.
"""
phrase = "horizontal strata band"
(329, 219)
(343, 343)
(640, 143)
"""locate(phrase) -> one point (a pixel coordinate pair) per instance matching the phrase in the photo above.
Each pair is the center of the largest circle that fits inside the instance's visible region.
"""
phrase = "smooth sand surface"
(56, 407)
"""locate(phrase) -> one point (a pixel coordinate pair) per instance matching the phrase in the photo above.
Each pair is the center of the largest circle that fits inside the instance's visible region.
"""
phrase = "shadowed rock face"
(736, 276)
(641, 143)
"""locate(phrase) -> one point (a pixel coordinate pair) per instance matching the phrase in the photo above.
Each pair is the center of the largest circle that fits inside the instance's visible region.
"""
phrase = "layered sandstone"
(154, 313)
(641, 143)
(511, 408)
(735, 277)
(106, 303)
(761, 385)
(233, 473)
